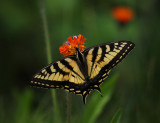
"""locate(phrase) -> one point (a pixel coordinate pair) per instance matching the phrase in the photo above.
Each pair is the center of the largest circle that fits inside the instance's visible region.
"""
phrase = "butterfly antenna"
(78, 44)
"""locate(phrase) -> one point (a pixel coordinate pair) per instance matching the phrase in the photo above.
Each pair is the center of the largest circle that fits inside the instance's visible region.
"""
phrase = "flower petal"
(69, 48)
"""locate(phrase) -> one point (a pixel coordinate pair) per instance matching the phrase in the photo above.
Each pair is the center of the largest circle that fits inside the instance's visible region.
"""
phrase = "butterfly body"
(81, 61)
(84, 71)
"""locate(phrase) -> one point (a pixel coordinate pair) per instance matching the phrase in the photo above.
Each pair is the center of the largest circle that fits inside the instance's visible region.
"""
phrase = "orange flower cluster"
(122, 14)
(70, 46)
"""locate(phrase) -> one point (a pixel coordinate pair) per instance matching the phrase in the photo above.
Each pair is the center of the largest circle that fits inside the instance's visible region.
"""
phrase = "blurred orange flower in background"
(122, 14)
(70, 46)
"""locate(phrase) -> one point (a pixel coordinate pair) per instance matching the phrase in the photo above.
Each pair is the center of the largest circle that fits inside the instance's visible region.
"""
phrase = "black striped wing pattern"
(65, 73)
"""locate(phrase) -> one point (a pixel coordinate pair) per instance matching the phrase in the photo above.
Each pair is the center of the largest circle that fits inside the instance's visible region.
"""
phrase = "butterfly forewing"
(63, 73)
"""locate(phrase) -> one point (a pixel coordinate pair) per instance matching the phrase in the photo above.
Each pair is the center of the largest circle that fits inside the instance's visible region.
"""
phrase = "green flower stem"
(49, 59)
(46, 34)
(68, 108)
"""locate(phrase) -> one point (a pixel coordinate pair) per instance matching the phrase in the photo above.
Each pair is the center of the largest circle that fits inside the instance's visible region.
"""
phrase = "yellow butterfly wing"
(103, 57)
(64, 73)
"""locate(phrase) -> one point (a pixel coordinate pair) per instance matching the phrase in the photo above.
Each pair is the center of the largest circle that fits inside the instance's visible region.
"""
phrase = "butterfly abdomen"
(82, 63)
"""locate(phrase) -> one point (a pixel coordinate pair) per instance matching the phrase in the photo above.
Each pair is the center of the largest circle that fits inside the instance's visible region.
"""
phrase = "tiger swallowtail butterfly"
(84, 71)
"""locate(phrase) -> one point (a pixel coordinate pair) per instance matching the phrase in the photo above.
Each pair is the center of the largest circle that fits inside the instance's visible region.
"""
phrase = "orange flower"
(70, 46)
(122, 14)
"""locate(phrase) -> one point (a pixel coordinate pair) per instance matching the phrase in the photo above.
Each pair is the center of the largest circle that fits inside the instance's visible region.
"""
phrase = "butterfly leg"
(99, 90)
(84, 95)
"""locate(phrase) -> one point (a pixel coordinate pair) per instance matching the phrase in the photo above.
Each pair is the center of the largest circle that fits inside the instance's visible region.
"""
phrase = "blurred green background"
(23, 53)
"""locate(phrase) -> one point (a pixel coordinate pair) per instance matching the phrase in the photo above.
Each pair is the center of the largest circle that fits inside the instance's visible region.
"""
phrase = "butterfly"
(85, 70)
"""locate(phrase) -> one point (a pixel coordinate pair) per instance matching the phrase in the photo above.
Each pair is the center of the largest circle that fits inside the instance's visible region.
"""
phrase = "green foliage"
(24, 101)
(97, 103)
(116, 117)
(23, 53)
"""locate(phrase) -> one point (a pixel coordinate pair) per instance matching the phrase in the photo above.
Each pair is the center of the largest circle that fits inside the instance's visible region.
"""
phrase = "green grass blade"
(117, 116)
(96, 104)
(23, 106)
